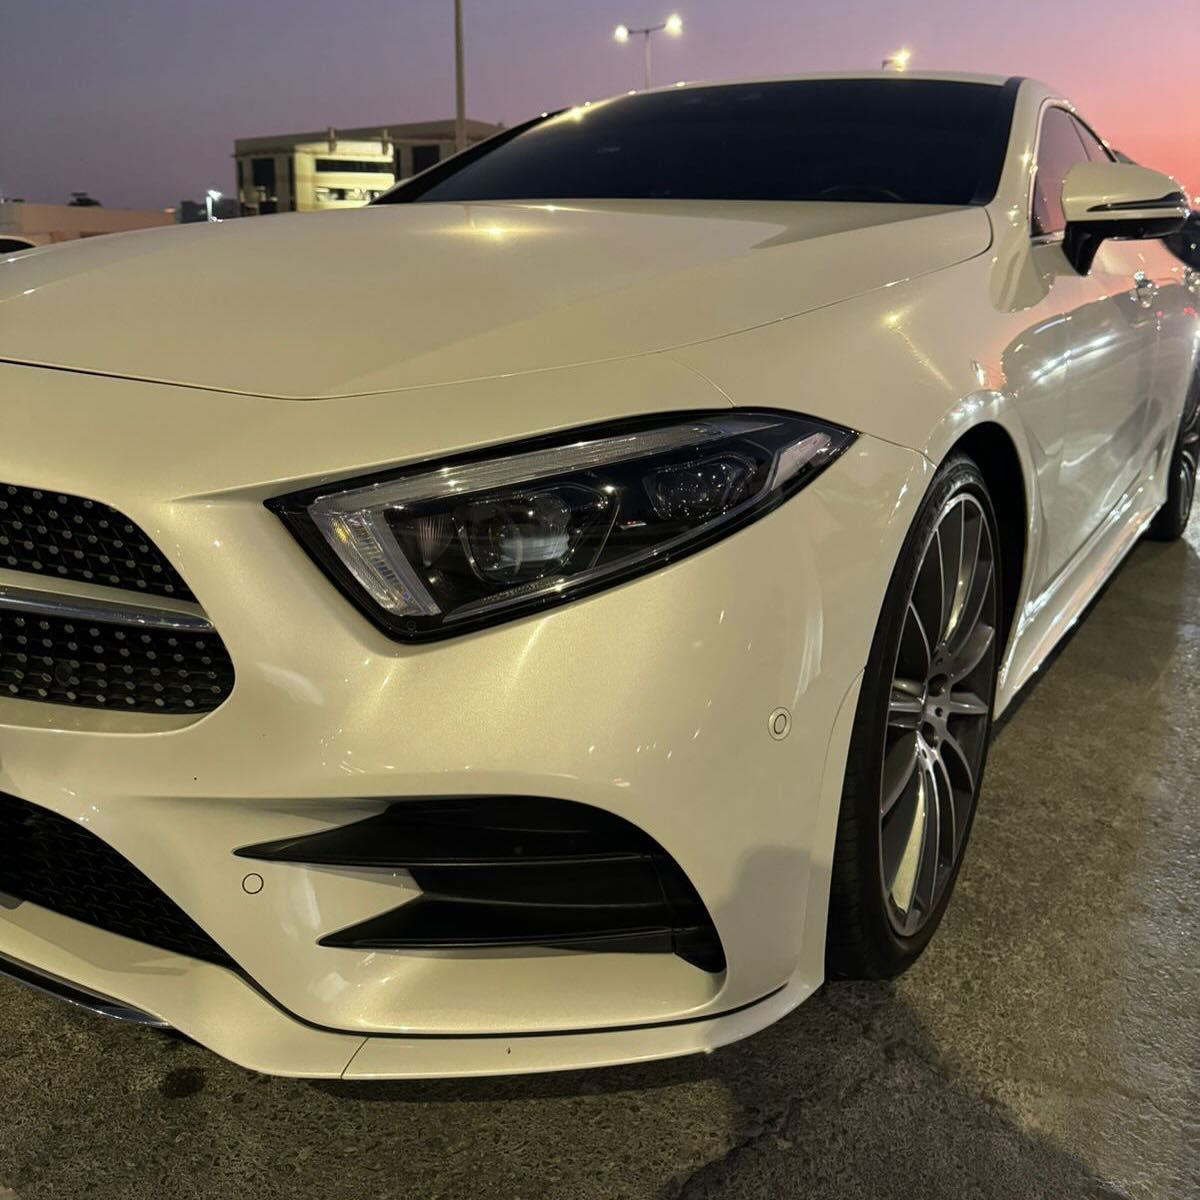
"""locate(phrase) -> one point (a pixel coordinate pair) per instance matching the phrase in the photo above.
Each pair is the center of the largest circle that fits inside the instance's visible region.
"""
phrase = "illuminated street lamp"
(208, 204)
(898, 61)
(672, 25)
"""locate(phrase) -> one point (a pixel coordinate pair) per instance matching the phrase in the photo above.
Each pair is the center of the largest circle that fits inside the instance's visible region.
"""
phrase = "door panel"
(1036, 367)
(1094, 428)
(1178, 338)
(1114, 334)
(1082, 376)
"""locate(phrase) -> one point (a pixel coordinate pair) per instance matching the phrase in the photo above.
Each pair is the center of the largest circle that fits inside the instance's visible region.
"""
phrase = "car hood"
(398, 296)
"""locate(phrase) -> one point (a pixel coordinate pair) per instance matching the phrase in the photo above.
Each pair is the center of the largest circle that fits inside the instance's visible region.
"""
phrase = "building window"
(327, 195)
(292, 182)
(424, 157)
(263, 173)
(352, 165)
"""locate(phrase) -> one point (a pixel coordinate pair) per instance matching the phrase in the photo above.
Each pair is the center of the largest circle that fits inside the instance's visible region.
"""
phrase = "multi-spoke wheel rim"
(1188, 458)
(938, 713)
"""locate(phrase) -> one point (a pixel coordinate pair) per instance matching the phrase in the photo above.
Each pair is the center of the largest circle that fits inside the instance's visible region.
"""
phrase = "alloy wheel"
(938, 713)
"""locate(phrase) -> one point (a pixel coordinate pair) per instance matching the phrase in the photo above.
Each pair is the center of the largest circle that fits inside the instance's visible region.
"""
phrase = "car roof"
(941, 76)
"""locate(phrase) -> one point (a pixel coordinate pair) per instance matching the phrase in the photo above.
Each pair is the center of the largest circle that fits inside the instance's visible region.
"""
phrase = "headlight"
(438, 549)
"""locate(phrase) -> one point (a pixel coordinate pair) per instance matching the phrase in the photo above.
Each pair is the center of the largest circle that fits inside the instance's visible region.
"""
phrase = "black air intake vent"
(515, 871)
(58, 864)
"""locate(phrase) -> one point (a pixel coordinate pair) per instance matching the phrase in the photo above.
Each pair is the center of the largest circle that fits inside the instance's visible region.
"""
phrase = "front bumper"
(219, 1010)
(650, 701)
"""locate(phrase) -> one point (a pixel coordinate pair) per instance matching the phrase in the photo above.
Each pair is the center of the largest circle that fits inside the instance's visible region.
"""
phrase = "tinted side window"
(1059, 149)
(1091, 143)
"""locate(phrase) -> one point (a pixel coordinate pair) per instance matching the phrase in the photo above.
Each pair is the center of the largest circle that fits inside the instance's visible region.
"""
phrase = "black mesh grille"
(72, 538)
(98, 664)
(56, 863)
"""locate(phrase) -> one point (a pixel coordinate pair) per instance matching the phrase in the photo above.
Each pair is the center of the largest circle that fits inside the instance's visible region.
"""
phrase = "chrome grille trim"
(83, 608)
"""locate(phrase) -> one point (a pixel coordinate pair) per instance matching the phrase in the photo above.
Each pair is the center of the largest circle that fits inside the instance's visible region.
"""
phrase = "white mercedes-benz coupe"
(554, 616)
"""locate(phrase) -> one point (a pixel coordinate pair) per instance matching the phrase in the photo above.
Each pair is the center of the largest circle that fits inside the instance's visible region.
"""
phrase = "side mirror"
(1117, 200)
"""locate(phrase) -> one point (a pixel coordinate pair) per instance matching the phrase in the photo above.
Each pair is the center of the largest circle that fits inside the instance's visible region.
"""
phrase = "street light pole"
(672, 25)
(460, 83)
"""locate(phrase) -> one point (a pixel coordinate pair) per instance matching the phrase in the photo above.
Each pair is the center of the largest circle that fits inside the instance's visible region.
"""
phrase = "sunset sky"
(139, 101)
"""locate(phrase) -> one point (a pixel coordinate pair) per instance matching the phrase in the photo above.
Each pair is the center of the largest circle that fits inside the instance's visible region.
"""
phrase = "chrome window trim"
(1103, 144)
(1046, 239)
(1047, 105)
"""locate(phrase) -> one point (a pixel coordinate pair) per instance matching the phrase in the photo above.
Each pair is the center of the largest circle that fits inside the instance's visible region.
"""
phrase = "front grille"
(105, 664)
(51, 533)
(130, 661)
(56, 863)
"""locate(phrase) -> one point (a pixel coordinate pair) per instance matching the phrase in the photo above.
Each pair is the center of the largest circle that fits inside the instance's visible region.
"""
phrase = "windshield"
(899, 141)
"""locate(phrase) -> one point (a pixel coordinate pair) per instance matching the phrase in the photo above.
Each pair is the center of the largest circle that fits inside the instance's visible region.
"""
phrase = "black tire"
(1172, 519)
(863, 941)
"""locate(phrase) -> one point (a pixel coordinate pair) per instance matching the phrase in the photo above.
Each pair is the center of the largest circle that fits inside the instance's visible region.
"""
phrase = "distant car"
(555, 615)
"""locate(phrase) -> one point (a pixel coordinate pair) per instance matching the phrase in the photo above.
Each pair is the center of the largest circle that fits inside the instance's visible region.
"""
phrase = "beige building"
(339, 168)
(23, 224)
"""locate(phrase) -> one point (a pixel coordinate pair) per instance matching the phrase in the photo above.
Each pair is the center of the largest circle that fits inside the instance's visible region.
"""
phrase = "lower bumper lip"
(78, 997)
(217, 1008)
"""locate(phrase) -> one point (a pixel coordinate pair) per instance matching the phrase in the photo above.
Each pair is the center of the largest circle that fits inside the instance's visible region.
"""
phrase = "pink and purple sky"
(139, 101)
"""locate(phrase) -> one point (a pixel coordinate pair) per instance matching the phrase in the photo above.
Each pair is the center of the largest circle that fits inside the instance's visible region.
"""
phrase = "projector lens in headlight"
(439, 549)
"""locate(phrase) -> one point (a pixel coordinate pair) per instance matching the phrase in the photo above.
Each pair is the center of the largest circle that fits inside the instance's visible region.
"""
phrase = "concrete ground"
(1047, 1045)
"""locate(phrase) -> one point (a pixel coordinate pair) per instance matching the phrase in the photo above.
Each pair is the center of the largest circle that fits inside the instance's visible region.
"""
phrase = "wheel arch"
(992, 449)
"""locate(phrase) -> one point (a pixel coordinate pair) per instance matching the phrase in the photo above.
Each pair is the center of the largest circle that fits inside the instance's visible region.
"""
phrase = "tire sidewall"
(1171, 520)
(886, 953)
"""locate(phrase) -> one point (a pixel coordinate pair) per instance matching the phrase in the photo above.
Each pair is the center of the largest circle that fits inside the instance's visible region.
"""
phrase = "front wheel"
(1172, 519)
(920, 736)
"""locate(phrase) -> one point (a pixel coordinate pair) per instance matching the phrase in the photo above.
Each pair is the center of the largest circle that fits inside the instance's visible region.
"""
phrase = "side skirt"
(1047, 619)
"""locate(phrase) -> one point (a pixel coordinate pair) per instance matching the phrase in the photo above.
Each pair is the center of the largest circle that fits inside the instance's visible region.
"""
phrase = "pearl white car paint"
(515, 288)
(1091, 191)
(912, 325)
